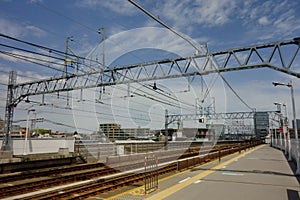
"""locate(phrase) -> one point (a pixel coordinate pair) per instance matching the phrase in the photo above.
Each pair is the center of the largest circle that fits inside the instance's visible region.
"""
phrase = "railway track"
(17, 176)
(88, 178)
(98, 186)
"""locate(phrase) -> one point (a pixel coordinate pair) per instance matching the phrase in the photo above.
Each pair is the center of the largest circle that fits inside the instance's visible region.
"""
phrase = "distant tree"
(41, 131)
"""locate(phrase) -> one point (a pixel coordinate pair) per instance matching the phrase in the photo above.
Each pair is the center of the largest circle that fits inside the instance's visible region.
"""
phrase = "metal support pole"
(285, 129)
(271, 134)
(295, 128)
(289, 151)
(27, 132)
(9, 112)
(166, 129)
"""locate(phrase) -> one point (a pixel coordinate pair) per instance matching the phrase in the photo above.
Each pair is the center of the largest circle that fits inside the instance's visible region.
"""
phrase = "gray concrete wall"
(44, 145)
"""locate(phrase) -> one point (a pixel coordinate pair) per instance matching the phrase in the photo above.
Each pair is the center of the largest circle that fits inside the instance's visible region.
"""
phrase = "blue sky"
(221, 24)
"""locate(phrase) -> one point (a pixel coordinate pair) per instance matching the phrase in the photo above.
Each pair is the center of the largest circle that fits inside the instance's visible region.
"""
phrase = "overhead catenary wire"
(17, 55)
(102, 104)
(188, 41)
(51, 50)
(87, 27)
(163, 24)
(29, 59)
(86, 111)
(56, 69)
(60, 14)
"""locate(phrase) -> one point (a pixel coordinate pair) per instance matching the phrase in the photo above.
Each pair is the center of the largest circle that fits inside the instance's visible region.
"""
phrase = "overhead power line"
(46, 63)
(164, 24)
(51, 50)
(188, 41)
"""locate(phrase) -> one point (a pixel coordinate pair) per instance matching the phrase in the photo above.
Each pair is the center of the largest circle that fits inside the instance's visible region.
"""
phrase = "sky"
(130, 37)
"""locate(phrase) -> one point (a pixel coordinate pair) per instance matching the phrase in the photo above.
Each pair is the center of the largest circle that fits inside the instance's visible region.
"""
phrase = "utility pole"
(103, 33)
(70, 38)
(166, 121)
(66, 63)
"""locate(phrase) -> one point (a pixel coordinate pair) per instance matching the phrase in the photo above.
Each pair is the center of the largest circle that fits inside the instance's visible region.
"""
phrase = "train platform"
(259, 173)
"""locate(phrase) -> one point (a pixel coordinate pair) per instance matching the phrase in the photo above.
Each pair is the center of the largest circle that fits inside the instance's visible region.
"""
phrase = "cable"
(66, 125)
(163, 24)
(88, 28)
(32, 52)
(86, 111)
(30, 61)
(62, 15)
(197, 49)
(39, 46)
(104, 104)
(161, 101)
(51, 50)
(38, 53)
(16, 55)
(61, 70)
(253, 109)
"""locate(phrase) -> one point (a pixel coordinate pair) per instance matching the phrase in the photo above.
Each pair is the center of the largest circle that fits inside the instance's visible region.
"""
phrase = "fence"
(151, 174)
(283, 145)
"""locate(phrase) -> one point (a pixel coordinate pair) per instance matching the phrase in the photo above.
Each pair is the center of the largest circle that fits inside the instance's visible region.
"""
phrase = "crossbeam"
(217, 116)
(258, 56)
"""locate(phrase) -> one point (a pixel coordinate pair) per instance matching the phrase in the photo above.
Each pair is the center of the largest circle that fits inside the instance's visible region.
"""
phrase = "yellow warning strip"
(159, 195)
(165, 193)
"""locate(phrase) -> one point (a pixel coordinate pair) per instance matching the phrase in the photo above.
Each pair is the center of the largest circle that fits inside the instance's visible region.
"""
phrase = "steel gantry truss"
(216, 116)
(273, 115)
(236, 117)
(211, 116)
(270, 55)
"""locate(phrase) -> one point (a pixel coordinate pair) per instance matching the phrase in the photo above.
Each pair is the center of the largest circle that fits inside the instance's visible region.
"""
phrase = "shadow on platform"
(248, 171)
(292, 194)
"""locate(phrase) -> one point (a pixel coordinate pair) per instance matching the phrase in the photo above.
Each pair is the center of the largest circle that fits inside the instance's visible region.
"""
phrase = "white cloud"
(118, 6)
(36, 1)
(263, 20)
(13, 29)
(10, 28)
(271, 19)
(187, 13)
(36, 31)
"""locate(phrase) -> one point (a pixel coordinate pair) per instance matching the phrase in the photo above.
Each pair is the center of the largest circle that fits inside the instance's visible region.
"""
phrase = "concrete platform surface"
(261, 173)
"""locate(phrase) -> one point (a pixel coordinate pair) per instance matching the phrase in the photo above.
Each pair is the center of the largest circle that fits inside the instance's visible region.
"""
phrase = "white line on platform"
(232, 174)
(198, 181)
(253, 158)
(184, 180)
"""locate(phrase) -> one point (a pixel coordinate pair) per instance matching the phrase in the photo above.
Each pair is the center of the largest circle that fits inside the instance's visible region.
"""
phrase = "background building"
(261, 124)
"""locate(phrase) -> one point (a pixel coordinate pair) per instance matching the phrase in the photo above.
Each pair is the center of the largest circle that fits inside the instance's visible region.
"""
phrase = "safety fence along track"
(82, 181)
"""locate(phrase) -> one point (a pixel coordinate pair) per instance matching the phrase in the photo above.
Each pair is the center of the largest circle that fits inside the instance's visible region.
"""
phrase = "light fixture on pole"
(290, 85)
(27, 131)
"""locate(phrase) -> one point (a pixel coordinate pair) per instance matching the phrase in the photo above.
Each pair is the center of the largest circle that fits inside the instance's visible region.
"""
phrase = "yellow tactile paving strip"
(139, 193)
